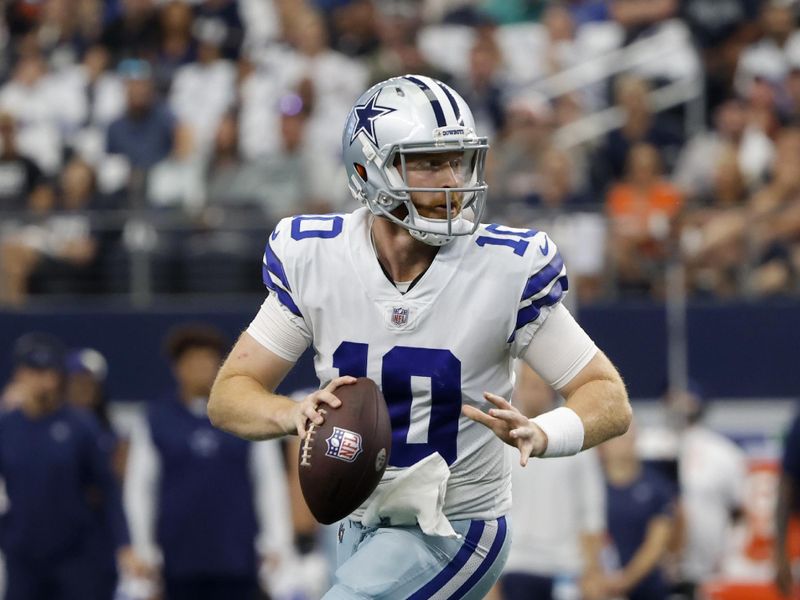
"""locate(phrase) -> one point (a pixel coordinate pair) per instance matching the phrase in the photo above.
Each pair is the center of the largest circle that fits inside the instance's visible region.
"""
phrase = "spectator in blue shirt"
(145, 133)
(59, 484)
(640, 505)
(788, 504)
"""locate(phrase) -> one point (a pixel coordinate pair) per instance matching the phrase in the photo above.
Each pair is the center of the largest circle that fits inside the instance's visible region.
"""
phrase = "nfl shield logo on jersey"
(343, 444)
(399, 316)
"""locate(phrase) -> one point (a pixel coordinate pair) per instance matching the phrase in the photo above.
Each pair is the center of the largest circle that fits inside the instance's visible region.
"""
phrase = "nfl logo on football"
(399, 316)
(343, 444)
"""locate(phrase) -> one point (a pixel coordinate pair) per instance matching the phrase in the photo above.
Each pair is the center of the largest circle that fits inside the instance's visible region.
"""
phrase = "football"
(342, 460)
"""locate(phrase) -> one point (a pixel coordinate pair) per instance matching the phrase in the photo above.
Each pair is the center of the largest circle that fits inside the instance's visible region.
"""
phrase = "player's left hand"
(511, 426)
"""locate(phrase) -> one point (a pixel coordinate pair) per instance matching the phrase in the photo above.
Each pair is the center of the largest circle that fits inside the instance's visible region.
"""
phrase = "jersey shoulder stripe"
(274, 265)
(544, 288)
(531, 268)
(295, 243)
(541, 279)
(274, 274)
(533, 310)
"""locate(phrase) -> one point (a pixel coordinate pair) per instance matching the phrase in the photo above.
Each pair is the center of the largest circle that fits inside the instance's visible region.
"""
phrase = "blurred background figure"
(559, 516)
(572, 218)
(730, 130)
(398, 25)
(641, 126)
(213, 77)
(28, 97)
(641, 516)
(712, 472)
(133, 30)
(86, 372)
(20, 177)
(528, 121)
(774, 223)
(483, 86)
(710, 230)
(56, 465)
(145, 133)
(56, 247)
(205, 508)
(641, 211)
(786, 518)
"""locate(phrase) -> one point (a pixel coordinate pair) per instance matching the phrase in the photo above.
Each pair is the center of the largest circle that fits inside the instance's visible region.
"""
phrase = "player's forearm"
(240, 405)
(604, 409)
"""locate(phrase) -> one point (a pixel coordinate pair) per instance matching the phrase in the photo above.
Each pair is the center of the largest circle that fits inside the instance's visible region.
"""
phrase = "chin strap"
(436, 229)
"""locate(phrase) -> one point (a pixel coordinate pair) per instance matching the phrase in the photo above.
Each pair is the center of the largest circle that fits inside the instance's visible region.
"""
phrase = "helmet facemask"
(464, 203)
(404, 119)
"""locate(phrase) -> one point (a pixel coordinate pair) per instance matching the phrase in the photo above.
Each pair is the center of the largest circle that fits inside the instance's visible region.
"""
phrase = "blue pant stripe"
(494, 551)
(454, 566)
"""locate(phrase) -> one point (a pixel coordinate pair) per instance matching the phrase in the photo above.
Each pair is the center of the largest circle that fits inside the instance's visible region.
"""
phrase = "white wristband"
(564, 430)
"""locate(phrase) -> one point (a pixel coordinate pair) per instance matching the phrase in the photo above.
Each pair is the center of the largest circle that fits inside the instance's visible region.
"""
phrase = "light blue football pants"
(399, 563)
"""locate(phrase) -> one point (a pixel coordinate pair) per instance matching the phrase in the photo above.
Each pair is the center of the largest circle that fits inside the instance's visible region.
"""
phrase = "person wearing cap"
(145, 134)
(200, 501)
(58, 480)
(86, 375)
(86, 370)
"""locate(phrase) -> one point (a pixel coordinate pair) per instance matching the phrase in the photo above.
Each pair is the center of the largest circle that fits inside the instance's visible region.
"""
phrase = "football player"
(413, 291)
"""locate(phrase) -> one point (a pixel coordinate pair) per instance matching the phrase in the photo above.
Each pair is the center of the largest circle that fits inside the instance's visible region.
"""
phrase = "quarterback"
(415, 292)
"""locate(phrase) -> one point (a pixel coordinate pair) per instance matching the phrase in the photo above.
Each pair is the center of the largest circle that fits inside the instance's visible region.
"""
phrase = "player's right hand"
(308, 409)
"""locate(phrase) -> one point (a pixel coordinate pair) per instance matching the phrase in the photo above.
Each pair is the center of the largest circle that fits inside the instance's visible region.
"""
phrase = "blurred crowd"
(102, 502)
(174, 133)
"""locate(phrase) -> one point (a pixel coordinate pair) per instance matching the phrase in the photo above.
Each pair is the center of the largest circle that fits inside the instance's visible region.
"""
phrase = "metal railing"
(670, 42)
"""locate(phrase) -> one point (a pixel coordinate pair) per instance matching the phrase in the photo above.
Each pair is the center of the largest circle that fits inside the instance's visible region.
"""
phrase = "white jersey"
(450, 338)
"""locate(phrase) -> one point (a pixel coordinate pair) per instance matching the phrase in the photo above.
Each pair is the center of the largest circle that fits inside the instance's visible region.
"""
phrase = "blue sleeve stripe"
(283, 296)
(274, 265)
(542, 279)
(531, 312)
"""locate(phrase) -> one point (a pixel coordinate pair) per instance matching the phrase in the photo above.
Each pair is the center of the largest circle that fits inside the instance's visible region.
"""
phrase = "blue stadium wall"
(736, 350)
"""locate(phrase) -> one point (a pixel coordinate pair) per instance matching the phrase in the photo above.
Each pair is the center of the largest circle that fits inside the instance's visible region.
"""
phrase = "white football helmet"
(412, 115)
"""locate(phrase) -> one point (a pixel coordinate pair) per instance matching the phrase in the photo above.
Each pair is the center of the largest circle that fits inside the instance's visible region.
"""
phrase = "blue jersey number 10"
(519, 246)
(399, 365)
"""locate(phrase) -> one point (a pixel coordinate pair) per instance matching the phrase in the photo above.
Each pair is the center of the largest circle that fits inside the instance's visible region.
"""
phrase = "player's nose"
(450, 177)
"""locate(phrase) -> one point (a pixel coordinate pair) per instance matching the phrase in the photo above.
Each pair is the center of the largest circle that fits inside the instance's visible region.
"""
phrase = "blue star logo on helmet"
(366, 114)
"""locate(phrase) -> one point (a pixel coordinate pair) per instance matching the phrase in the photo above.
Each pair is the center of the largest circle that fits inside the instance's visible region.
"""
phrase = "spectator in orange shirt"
(641, 209)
